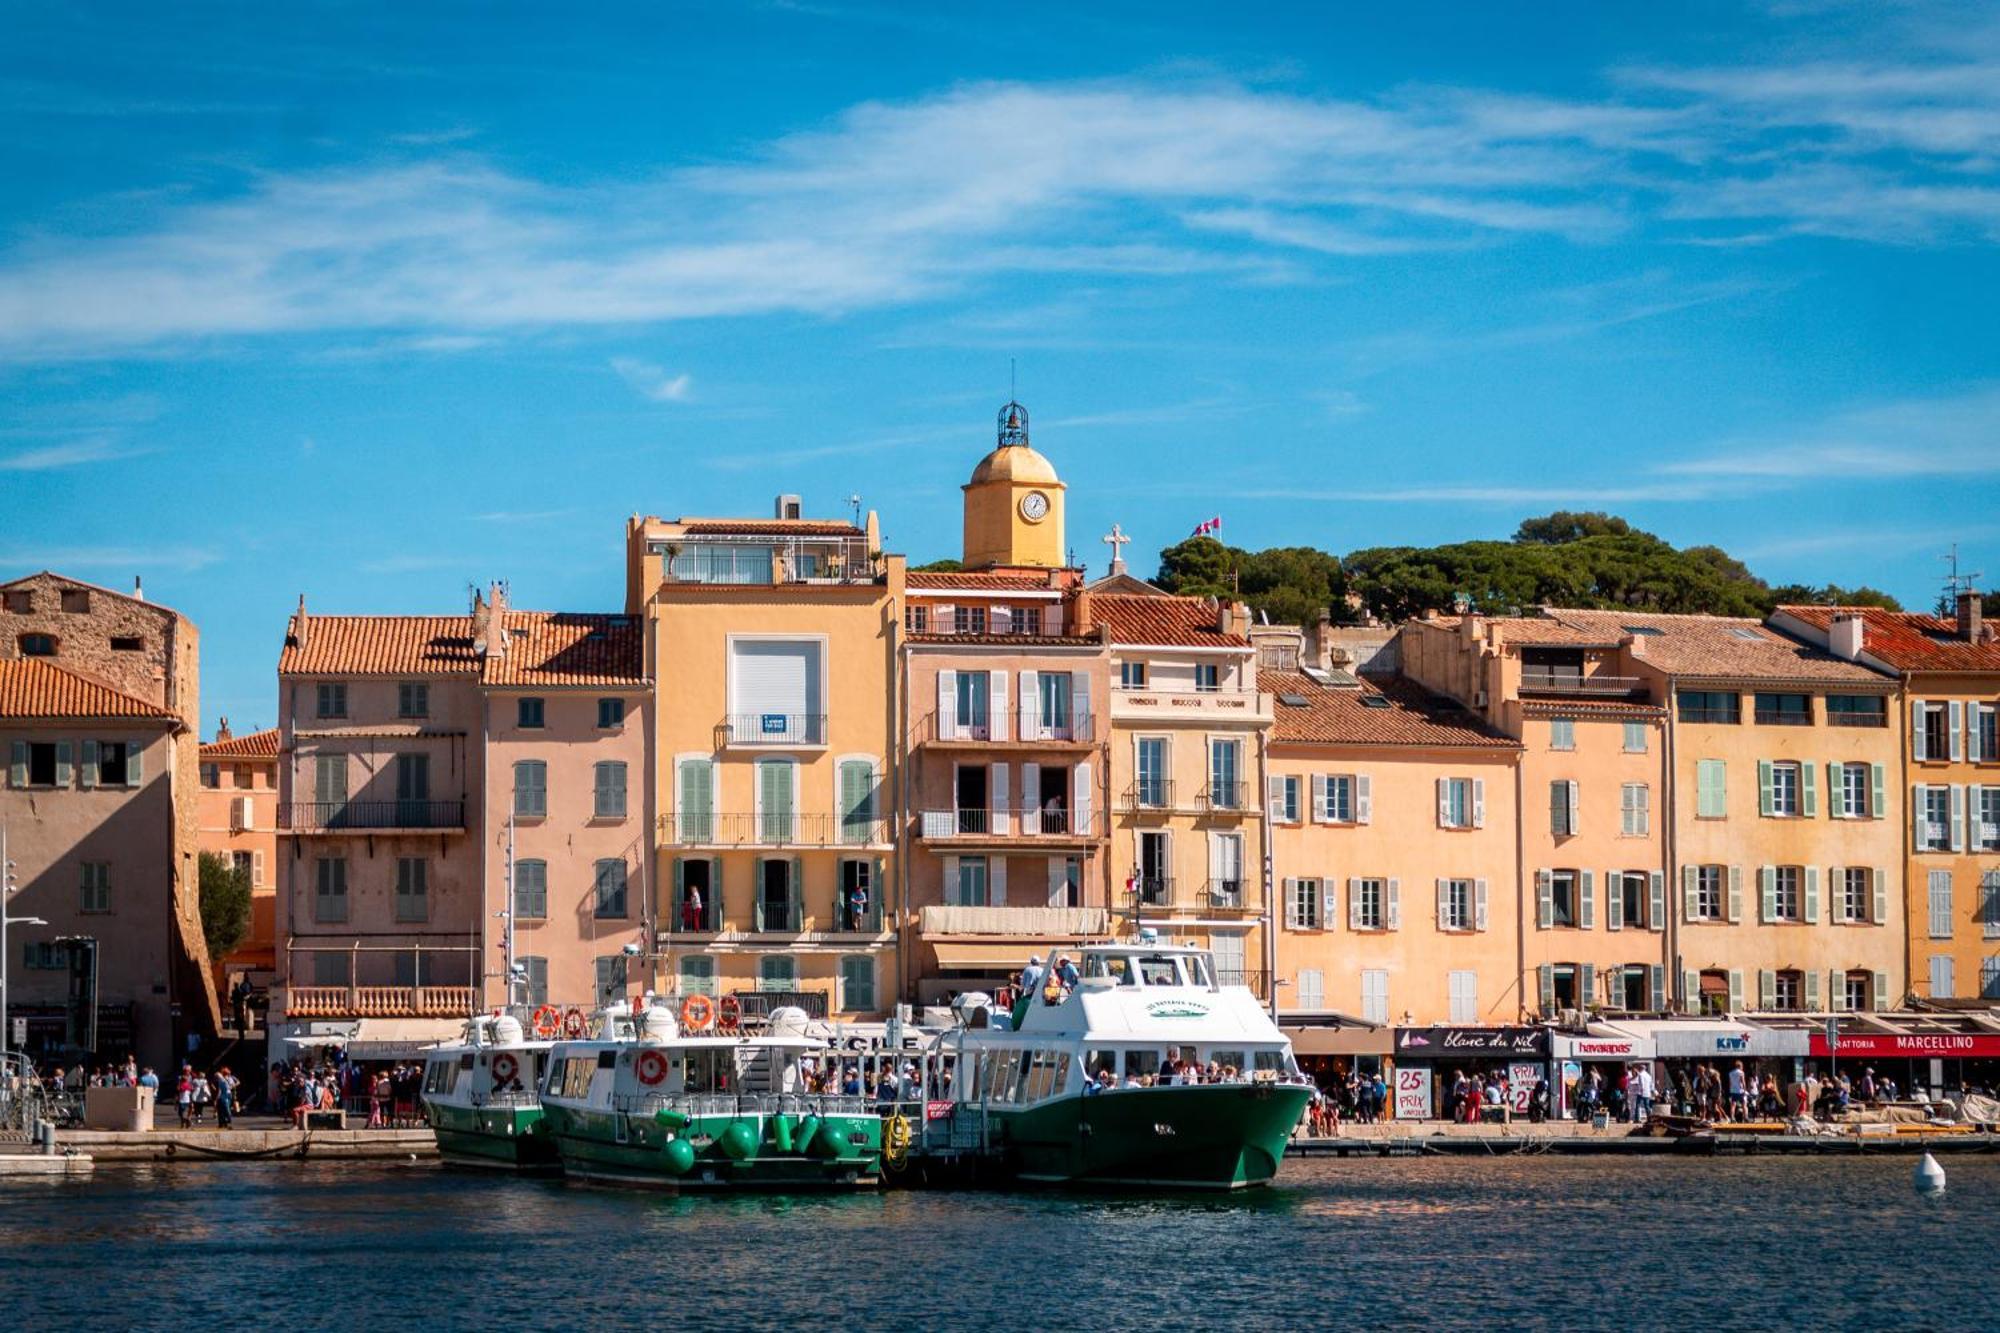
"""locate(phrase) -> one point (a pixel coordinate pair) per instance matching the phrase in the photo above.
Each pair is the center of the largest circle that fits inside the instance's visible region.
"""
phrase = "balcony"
(1225, 800)
(1155, 797)
(757, 1005)
(779, 730)
(765, 559)
(1025, 922)
(775, 916)
(1228, 895)
(1013, 824)
(1197, 707)
(726, 832)
(1078, 730)
(378, 1002)
(371, 816)
(1154, 891)
(1575, 684)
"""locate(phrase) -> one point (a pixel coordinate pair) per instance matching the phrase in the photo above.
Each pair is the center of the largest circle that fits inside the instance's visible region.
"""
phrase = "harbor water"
(1433, 1242)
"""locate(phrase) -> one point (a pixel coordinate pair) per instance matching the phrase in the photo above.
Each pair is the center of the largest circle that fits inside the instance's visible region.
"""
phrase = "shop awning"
(400, 1038)
(994, 955)
(1602, 1041)
(1354, 1038)
(1912, 1037)
(1712, 1038)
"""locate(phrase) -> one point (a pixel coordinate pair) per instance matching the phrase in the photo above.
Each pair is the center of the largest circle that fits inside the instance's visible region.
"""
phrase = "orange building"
(1950, 768)
(238, 811)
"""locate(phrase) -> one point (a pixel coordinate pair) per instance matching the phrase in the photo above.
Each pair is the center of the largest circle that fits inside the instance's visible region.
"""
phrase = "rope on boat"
(896, 1142)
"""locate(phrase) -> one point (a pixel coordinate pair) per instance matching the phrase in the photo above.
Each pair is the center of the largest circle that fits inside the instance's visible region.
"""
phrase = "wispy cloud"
(130, 559)
(522, 515)
(72, 453)
(651, 381)
(1955, 435)
(411, 564)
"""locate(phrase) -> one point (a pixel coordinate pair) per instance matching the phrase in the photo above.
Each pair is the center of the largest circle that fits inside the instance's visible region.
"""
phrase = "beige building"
(99, 700)
(1949, 766)
(238, 812)
(773, 644)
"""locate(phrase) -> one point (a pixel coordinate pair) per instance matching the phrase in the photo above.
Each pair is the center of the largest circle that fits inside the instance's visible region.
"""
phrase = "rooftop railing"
(1570, 682)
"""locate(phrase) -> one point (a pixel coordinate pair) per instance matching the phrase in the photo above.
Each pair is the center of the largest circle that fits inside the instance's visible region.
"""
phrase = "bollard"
(45, 1134)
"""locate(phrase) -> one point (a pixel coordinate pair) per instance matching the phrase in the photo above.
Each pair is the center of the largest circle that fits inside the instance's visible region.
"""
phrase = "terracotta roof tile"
(1721, 647)
(380, 646)
(1179, 621)
(1908, 640)
(252, 745)
(996, 580)
(569, 648)
(1335, 715)
(1590, 708)
(30, 688)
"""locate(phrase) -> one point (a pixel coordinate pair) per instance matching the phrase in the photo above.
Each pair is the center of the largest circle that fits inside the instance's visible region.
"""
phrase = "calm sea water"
(1443, 1243)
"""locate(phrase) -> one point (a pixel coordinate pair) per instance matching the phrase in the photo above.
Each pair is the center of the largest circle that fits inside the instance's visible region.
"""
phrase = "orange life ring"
(574, 1024)
(505, 1066)
(697, 1013)
(729, 1013)
(547, 1021)
(651, 1067)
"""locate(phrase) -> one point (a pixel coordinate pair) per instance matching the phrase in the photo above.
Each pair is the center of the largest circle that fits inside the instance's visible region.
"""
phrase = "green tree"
(1832, 594)
(1199, 567)
(1564, 526)
(225, 904)
(939, 567)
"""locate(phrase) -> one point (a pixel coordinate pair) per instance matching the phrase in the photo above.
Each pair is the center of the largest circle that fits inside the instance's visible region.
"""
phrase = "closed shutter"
(997, 705)
(1030, 718)
(1479, 803)
(1085, 800)
(1001, 820)
(1364, 799)
(1735, 894)
(1656, 916)
(1479, 904)
(776, 807)
(697, 800)
(1545, 900)
(1941, 978)
(775, 678)
(1080, 721)
(1354, 904)
(1940, 904)
(947, 705)
(1586, 899)
(1312, 988)
(1395, 906)
(1614, 900)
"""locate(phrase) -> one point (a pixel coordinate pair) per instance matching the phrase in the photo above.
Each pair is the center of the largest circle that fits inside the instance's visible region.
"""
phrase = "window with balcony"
(1635, 810)
(610, 714)
(413, 789)
(413, 699)
(530, 714)
(857, 801)
(1986, 819)
(916, 618)
(1784, 710)
(858, 908)
(1225, 869)
(1053, 689)
(777, 800)
(1131, 675)
(531, 890)
(330, 890)
(1155, 869)
(1065, 881)
(1933, 831)
(531, 789)
(1710, 706)
(1150, 790)
(94, 887)
(413, 899)
(1207, 677)
(608, 790)
(1225, 774)
(332, 698)
(968, 620)
(696, 800)
(972, 701)
(608, 890)
(1857, 710)
(965, 882)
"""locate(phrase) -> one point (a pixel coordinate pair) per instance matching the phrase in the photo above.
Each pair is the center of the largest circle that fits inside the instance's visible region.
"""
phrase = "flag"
(1208, 527)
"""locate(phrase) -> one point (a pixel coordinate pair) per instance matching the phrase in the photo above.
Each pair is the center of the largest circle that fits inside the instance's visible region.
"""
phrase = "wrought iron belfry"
(1013, 424)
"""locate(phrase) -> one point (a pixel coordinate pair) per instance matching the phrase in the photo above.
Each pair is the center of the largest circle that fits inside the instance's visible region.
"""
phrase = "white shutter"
(1319, 790)
(1957, 817)
(1031, 797)
(1083, 798)
(1586, 900)
(1656, 916)
(1290, 888)
(1031, 704)
(1002, 822)
(1545, 900)
(1274, 799)
(1573, 802)
(1955, 713)
(1329, 907)
(1444, 802)
(1878, 879)
(1917, 709)
(1691, 893)
(1081, 725)
(1479, 904)
(996, 879)
(1809, 909)
(257, 869)
(997, 704)
(1354, 904)
(1442, 892)
(1735, 905)
(1395, 908)
(947, 705)
(1364, 803)
(1479, 803)
(1058, 881)
(1217, 859)
(1614, 900)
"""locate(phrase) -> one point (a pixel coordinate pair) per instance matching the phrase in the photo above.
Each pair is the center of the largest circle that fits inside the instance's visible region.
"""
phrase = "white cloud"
(651, 381)
(1955, 435)
(132, 559)
(69, 454)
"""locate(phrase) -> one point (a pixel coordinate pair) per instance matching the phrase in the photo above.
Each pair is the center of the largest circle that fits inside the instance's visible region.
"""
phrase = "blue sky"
(372, 303)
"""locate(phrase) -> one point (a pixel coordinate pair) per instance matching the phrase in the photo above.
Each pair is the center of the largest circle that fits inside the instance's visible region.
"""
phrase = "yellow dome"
(1018, 463)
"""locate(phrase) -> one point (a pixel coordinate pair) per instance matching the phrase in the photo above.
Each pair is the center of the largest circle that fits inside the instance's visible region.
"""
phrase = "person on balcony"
(691, 908)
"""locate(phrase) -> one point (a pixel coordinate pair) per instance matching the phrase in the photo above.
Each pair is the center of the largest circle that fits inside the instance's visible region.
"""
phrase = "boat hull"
(612, 1148)
(1204, 1137)
(512, 1137)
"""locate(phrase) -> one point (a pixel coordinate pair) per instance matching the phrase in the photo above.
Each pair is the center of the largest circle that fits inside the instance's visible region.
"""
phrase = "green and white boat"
(481, 1097)
(671, 1111)
(1084, 1090)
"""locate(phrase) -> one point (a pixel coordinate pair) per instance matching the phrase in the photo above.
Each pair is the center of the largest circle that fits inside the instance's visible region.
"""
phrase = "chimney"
(489, 622)
(1847, 634)
(138, 589)
(222, 732)
(1319, 641)
(1083, 613)
(1971, 616)
(299, 624)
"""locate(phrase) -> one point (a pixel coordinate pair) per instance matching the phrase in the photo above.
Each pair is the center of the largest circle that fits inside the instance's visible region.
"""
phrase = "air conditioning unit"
(790, 506)
(1570, 1018)
(1479, 698)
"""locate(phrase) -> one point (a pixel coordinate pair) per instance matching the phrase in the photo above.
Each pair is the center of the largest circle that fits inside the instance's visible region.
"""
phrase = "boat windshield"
(1151, 969)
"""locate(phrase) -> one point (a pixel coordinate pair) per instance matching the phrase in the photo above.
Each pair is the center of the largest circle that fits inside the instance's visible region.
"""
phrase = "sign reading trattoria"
(1454, 1043)
(1915, 1045)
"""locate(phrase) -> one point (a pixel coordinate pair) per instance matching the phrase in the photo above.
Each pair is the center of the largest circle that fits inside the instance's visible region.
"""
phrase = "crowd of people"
(387, 1095)
(1346, 1096)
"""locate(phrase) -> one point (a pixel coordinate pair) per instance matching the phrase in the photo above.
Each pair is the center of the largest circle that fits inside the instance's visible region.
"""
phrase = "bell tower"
(1014, 503)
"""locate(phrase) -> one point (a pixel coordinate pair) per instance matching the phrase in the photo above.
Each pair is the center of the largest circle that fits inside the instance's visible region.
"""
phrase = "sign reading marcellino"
(1450, 1043)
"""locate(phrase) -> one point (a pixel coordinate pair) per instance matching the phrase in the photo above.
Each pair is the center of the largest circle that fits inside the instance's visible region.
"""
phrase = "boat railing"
(730, 1103)
(525, 1097)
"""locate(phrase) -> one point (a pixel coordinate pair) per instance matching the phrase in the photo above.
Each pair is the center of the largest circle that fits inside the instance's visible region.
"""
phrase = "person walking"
(226, 1084)
(203, 1094)
(184, 1094)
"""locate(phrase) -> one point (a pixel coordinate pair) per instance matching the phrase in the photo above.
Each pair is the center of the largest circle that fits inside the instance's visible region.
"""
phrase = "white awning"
(1712, 1038)
(400, 1038)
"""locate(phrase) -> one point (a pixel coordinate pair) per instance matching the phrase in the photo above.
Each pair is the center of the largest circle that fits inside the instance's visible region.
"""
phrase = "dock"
(15, 1165)
(1572, 1140)
(237, 1145)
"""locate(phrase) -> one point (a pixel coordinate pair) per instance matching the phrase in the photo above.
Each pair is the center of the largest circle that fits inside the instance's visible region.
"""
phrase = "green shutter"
(1766, 796)
(856, 803)
(1809, 790)
(1875, 802)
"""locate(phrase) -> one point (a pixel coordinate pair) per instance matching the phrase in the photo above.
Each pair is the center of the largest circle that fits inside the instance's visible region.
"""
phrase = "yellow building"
(1014, 504)
(773, 645)
(1950, 767)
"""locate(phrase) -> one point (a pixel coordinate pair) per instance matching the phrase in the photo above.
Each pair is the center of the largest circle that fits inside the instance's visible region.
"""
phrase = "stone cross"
(1116, 540)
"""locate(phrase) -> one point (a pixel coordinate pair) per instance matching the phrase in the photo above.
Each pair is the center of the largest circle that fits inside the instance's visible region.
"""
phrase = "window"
(1151, 768)
(1635, 810)
(413, 783)
(1710, 706)
(1934, 823)
(75, 602)
(1562, 734)
(1942, 982)
(1854, 990)
(1782, 785)
(330, 890)
(1337, 798)
(1939, 894)
(1631, 889)
(1368, 901)
(608, 790)
(1784, 710)
(857, 983)
(857, 801)
(610, 714)
(1155, 868)
(1132, 675)
(1285, 799)
(1855, 785)
(917, 618)
(777, 973)
(1562, 808)
(1463, 990)
(20, 601)
(243, 779)
(330, 969)
(1709, 888)
(1225, 869)
(38, 645)
(609, 889)
(1712, 994)
(1986, 819)
(44, 956)
(1224, 774)
(1854, 891)
(412, 889)
(1057, 718)
(973, 701)
(413, 699)
(1932, 732)
(697, 974)
(1066, 881)
(1461, 803)
(534, 979)
(95, 887)
(1985, 731)
(1207, 677)
(114, 763)
(531, 890)
(333, 698)
(1856, 710)
(1711, 778)
(611, 979)
(1787, 991)
(1635, 738)
(531, 788)
(1456, 910)
(1989, 978)
(528, 713)
(1375, 995)
(970, 620)
(1302, 904)
(1784, 893)
(1563, 897)
(211, 776)
(967, 887)
(127, 643)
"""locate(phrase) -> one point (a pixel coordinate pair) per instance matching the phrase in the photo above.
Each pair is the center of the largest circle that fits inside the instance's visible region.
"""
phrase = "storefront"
(1937, 1054)
(1332, 1050)
(1428, 1062)
(1682, 1045)
(1603, 1050)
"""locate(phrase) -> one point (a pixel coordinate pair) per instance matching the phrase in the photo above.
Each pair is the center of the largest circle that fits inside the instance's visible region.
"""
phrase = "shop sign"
(1914, 1046)
(1521, 1080)
(1454, 1043)
(1413, 1093)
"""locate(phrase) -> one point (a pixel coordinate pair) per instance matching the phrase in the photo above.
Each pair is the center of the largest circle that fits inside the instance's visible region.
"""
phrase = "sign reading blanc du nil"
(1448, 1043)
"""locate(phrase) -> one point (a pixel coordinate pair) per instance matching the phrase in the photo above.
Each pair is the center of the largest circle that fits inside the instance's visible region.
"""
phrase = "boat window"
(1159, 970)
(1061, 1084)
(1115, 966)
(1272, 1062)
(465, 1061)
(1199, 971)
(577, 1072)
(1142, 1064)
(1044, 1078)
(607, 1059)
(1230, 1062)
(1100, 1062)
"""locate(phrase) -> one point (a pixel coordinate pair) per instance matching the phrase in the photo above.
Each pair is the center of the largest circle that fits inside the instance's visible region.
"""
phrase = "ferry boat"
(1074, 1088)
(645, 1104)
(481, 1097)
